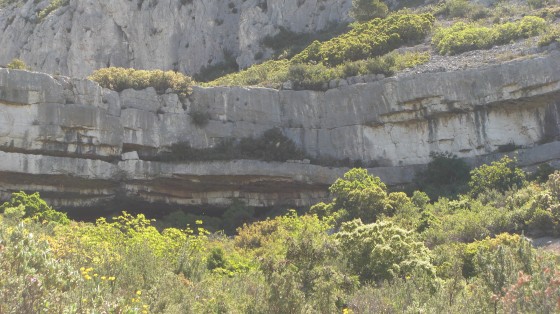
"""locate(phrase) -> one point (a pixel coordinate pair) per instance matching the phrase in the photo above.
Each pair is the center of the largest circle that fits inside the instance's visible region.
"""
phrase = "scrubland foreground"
(367, 251)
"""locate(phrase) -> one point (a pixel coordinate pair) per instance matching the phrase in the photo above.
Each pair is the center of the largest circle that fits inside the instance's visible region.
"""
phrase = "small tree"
(365, 10)
(500, 175)
(32, 206)
(360, 194)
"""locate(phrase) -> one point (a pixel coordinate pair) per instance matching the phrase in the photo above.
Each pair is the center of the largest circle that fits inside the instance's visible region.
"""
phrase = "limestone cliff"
(78, 144)
(184, 35)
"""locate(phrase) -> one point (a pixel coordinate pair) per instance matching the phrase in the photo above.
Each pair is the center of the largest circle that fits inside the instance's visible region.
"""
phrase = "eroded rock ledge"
(66, 138)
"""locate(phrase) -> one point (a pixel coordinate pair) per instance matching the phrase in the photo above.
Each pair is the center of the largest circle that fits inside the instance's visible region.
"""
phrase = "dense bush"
(23, 205)
(360, 195)
(500, 175)
(310, 76)
(371, 39)
(17, 64)
(316, 76)
(292, 263)
(199, 118)
(446, 175)
(382, 251)
(119, 79)
(461, 37)
(549, 37)
(363, 50)
(270, 73)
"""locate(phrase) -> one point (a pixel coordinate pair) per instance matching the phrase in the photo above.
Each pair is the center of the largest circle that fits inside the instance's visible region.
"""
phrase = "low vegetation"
(315, 76)
(366, 251)
(17, 64)
(119, 79)
(551, 36)
(273, 145)
(53, 5)
(369, 47)
(365, 49)
(374, 38)
(461, 37)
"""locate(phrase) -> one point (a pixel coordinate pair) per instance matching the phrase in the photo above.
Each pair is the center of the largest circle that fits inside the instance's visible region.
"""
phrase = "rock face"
(81, 145)
(184, 35)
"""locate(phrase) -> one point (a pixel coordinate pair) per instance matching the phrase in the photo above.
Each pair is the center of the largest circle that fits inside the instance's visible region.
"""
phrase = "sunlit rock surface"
(82, 145)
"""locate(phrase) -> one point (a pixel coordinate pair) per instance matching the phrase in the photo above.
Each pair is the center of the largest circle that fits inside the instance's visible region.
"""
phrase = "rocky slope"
(78, 144)
(81, 36)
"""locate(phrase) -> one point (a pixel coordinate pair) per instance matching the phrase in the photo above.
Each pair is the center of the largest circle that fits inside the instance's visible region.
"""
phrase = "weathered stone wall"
(75, 142)
(183, 35)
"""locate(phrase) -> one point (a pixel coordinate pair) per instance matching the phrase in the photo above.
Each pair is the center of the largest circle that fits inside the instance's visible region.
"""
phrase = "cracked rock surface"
(186, 36)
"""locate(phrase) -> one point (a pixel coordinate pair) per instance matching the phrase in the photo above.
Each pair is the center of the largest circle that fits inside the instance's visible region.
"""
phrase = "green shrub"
(199, 118)
(553, 184)
(549, 37)
(17, 64)
(500, 175)
(461, 37)
(270, 73)
(119, 79)
(273, 145)
(53, 5)
(361, 195)
(310, 76)
(382, 251)
(370, 39)
(306, 274)
(343, 55)
(32, 206)
(365, 10)
(315, 76)
(446, 175)
(236, 215)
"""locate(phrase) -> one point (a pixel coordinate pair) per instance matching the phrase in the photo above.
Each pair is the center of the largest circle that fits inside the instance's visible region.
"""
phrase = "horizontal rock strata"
(82, 145)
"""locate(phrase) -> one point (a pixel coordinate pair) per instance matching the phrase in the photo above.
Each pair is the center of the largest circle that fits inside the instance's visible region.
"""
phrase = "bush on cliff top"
(462, 37)
(314, 76)
(119, 79)
(366, 40)
(367, 44)
(17, 64)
